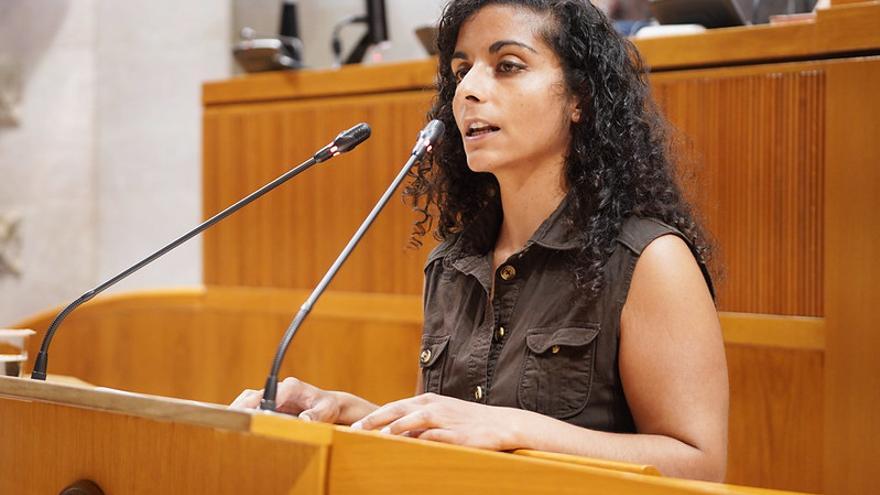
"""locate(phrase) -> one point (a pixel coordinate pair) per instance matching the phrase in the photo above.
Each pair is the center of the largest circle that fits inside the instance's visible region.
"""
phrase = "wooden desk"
(781, 133)
(782, 126)
(52, 435)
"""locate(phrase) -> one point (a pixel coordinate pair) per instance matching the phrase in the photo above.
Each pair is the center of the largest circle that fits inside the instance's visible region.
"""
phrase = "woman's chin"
(478, 163)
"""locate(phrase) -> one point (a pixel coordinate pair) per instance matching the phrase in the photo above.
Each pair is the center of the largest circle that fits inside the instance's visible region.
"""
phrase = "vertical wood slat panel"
(759, 139)
(291, 236)
(759, 142)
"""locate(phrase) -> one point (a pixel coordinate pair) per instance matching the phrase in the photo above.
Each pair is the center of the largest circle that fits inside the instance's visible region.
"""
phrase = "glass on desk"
(13, 351)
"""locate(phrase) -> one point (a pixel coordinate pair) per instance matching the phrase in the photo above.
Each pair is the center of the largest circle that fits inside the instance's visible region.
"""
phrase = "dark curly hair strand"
(619, 162)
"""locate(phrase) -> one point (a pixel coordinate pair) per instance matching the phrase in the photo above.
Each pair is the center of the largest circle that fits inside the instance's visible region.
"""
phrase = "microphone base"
(40, 365)
(267, 405)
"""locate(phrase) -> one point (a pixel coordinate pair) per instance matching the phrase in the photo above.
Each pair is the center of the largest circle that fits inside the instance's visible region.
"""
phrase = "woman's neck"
(526, 202)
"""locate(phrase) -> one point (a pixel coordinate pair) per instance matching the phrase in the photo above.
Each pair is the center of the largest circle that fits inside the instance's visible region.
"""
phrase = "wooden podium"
(53, 435)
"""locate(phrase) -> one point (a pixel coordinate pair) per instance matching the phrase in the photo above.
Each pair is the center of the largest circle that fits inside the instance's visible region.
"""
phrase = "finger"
(386, 414)
(294, 396)
(413, 433)
(323, 410)
(442, 435)
(421, 419)
(248, 399)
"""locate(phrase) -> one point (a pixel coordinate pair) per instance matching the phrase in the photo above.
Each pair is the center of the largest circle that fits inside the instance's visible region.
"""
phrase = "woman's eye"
(509, 67)
(460, 73)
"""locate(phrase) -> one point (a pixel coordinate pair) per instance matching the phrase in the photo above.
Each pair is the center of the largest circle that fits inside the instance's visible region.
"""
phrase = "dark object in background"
(289, 30)
(725, 13)
(427, 36)
(707, 13)
(628, 16)
(266, 53)
(377, 32)
(766, 8)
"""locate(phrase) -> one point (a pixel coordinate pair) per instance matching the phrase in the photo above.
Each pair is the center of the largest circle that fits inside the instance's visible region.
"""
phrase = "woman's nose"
(473, 86)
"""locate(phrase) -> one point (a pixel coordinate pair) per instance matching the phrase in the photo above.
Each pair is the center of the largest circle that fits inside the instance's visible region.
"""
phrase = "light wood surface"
(347, 81)
(367, 463)
(757, 133)
(273, 242)
(776, 417)
(838, 31)
(126, 449)
(209, 344)
(852, 377)
(49, 443)
(588, 461)
(792, 332)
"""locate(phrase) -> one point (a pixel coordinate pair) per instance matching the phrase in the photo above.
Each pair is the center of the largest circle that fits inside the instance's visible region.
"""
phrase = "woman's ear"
(576, 113)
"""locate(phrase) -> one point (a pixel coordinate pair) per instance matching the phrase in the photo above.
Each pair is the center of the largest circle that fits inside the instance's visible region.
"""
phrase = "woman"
(568, 307)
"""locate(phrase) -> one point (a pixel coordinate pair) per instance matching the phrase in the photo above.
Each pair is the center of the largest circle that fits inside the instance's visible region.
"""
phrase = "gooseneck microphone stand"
(429, 136)
(344, 142)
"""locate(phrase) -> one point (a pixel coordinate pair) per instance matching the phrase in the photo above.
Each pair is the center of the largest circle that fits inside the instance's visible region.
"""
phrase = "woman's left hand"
(445, 419)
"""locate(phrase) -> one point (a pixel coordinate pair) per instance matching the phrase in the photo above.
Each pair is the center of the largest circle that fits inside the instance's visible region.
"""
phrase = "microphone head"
(348, 140)
(433, 132)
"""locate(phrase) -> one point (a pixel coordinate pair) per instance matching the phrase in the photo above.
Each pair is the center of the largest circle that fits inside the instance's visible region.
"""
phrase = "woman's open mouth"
(480, 129)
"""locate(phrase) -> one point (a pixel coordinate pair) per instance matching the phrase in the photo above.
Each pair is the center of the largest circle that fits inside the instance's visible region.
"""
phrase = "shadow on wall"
(27, 29)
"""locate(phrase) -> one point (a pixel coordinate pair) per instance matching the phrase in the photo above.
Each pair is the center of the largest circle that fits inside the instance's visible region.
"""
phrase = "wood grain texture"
(344, 81)
(209, 344)
(758, 134)
(368, 463)
(790, 332)
(760, 187)
(153, 451)
(837, 31)
(45, 447)
(852, 375)
(776, 398)
(587, 461)
(273, 242)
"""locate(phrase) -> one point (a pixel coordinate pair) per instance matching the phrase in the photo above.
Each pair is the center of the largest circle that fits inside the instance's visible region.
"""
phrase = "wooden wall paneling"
(852, 271)
(332, 198)
(748, 127)
(210, 345)
(775, 417)
(754, 149)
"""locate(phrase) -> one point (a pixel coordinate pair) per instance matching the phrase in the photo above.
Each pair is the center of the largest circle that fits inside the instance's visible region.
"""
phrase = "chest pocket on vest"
(431, 359)
(557, 372)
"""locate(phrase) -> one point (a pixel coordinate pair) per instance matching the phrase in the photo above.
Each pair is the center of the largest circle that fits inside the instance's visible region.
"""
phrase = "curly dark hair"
(619, 162)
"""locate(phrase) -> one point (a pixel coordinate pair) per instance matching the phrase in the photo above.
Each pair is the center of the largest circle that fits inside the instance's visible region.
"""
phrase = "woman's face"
(510, 104)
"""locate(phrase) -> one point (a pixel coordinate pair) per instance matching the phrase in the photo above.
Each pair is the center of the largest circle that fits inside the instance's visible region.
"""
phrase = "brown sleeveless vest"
(540, 344)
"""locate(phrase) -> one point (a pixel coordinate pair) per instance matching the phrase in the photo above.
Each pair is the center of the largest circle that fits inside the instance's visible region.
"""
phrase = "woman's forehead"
(495, 23)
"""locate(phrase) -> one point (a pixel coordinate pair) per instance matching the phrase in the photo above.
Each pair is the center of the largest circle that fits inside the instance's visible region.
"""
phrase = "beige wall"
(104, 163)
(317, 18)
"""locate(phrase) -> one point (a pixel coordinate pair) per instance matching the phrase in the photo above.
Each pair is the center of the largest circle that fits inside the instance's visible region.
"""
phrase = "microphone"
(344, 142)
(428, 137)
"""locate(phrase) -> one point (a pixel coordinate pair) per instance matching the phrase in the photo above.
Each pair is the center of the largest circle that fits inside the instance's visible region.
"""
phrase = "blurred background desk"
(779, 131)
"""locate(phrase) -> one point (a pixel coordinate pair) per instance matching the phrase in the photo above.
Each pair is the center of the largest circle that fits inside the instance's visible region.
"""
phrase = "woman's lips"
(481, 135)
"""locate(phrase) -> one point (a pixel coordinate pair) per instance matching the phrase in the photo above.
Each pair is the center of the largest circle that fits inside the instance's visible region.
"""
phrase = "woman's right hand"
(300, 399)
